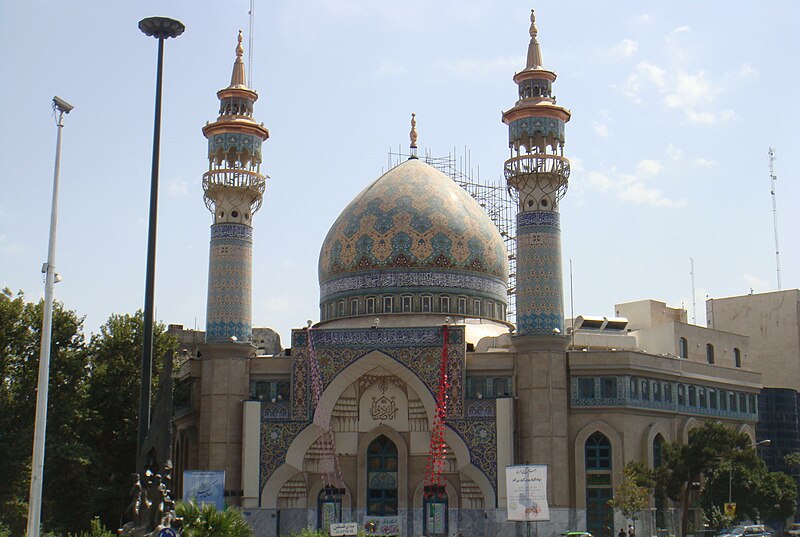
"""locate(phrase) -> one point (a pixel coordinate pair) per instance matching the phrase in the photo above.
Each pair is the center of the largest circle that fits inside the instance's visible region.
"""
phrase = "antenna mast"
(694, 304)
(252, 14)
(774, 178)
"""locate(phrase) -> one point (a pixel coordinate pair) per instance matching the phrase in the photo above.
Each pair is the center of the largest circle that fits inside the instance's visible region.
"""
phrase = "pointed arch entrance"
(382, 477)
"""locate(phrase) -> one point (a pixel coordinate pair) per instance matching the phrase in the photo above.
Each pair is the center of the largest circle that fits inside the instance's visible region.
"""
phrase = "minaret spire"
(539, 173)
(238, 79)
(534, 51)
(233, 187)
(413, 135)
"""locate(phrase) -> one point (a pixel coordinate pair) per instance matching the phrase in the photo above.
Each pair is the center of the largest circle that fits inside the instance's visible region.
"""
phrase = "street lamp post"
(765, 442)
(161, 28)
(60, 107)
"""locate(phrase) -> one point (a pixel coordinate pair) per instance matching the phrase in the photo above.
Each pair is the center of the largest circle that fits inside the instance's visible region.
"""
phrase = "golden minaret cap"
(237, 77)
(534, 52)
(413, 133)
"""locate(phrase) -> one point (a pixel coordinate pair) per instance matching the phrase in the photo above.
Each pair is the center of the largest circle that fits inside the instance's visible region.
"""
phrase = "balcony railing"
(215, 181)
(537, 163)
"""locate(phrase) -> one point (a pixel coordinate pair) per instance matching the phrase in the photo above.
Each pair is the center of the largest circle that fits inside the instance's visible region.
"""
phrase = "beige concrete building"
(772, 322)
(403, 406)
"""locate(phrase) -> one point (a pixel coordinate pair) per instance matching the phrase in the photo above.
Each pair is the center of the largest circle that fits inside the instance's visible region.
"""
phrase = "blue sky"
(674, 106)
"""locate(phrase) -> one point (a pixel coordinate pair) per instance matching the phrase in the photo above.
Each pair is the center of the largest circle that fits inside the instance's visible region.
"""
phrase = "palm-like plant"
(206, 521)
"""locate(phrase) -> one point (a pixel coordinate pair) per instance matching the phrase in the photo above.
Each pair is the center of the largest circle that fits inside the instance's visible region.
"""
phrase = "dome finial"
(413, 135)
(534, 52)
(239, 46)
(237, 77)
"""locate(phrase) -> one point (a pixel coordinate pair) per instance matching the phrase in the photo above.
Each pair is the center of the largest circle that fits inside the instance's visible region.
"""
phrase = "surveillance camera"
(62, 105)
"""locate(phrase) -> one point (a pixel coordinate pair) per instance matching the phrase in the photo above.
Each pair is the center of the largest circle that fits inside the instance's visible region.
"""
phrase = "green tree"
(719, 457)
(113, 400)
(633, 494)
(67, 455)
(206, 521)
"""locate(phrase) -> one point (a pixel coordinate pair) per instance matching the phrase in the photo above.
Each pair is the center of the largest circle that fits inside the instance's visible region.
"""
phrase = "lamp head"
(161, 27)
(61, 105)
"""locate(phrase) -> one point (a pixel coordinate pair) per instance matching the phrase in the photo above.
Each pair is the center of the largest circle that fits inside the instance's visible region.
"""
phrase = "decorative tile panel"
(539, 283)
(529, 127)
(425, 282)
(230, 276)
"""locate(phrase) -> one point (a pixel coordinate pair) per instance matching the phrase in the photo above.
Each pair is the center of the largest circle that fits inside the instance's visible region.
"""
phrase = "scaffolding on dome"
(497, 200)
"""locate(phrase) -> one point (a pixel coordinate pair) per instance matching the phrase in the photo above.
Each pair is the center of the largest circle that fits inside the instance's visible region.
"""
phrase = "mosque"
(402, 408)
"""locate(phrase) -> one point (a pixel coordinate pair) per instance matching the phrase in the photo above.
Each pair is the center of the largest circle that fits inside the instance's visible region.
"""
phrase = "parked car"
(758, 530)
(574, 534)
(792, 530)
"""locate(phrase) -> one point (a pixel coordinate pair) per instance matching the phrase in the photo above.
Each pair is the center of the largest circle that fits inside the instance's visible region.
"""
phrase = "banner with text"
(205, 487)
(526, 490)
(382, 525)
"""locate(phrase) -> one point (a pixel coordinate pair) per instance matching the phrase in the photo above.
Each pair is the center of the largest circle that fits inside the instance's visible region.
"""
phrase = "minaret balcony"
(217, 183)
(547, 167)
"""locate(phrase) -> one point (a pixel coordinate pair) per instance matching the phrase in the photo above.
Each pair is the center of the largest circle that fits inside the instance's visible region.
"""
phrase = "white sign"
(526, 490)
(204, 487)
(344, 528)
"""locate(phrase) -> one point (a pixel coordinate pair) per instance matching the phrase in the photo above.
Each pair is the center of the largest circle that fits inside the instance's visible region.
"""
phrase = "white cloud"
(625, 48)
(644, 18)
(674, 152)
(632, 88)
(727, 115)
(600, 181)
(746, 70)
(634, 188)
(755, 283)
(704, 162)
(682, 30)
(177, 188)
(600, 129)
(649, 167)
(642, 194)
(690, 91)
(700, 117)
(653, 73)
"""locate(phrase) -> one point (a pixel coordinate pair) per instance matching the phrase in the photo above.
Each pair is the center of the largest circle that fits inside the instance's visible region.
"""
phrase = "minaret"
(233, 188)
(538, 171)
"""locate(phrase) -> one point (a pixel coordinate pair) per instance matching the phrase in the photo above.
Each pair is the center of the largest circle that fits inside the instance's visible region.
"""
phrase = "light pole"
(161, 28)
(60, 107)
(765, 442)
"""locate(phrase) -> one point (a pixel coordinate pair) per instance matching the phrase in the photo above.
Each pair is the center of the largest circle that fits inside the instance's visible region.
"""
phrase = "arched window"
(658, 446)
(434, 507)
(329, 507)
(658, 459)
(382, 477)
(597, 455)
(710, 353)
(683, 348)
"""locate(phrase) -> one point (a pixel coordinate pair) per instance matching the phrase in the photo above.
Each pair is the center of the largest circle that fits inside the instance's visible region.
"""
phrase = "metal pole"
(147, 343)
(730, 481)
(161, 28)
(40, 425)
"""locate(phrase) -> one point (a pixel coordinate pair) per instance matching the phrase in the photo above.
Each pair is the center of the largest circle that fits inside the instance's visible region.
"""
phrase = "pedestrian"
(621, 533)
(606, 530)
(631, 531)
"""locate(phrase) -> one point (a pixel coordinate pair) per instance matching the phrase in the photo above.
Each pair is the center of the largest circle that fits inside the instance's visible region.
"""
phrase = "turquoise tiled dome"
(413, 232)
